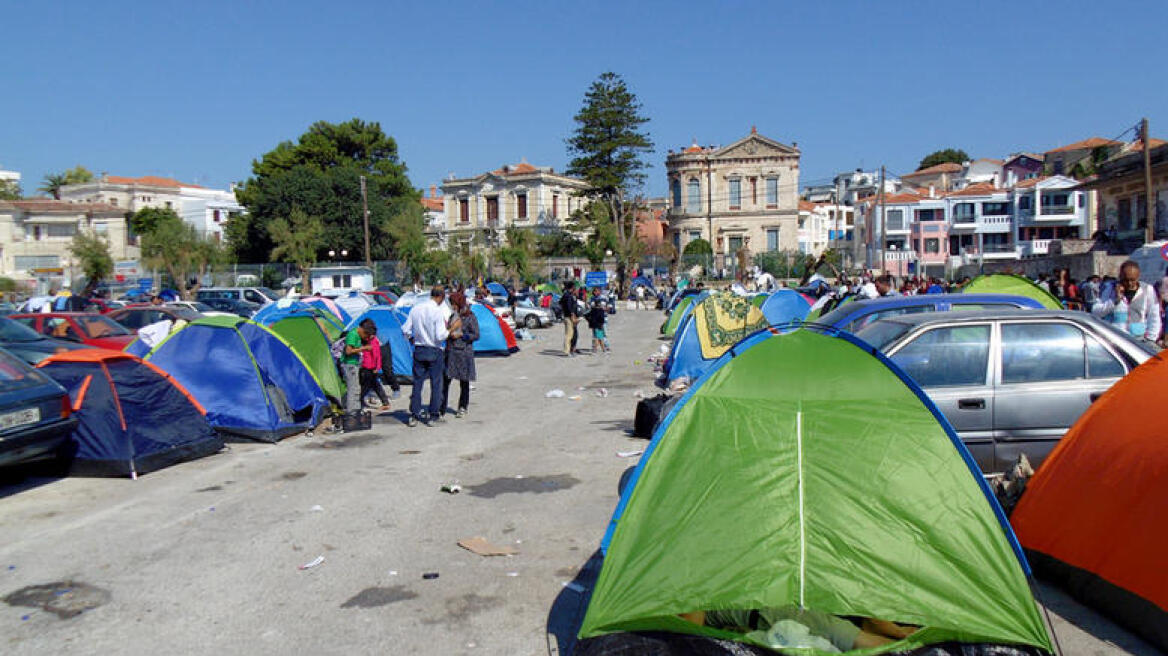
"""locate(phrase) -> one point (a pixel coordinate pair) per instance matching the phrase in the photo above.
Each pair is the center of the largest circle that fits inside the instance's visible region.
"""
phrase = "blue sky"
(196, 90)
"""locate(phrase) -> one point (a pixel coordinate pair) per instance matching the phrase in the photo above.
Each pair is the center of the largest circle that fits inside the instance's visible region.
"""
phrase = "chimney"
(753, 130)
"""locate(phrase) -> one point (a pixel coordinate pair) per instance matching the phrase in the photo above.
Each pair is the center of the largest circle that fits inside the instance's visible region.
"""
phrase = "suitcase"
(357, 422)
(649, 413)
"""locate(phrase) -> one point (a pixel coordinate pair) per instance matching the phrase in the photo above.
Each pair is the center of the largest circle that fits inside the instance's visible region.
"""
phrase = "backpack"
(337, 348)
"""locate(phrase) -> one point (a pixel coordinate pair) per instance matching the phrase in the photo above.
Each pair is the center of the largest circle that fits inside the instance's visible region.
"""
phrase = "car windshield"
(96, 326)
(524, 302)
(201, 307)
(883, 333)
(267, 292)
(186, 314)
(12, 331)
(15, 374)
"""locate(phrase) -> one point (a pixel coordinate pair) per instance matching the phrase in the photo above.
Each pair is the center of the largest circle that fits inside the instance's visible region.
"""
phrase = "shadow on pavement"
(567, 612)
(18, 478)
(1089, 621)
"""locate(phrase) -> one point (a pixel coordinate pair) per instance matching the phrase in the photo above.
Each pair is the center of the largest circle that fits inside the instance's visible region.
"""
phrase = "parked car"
(35, 412)
(137, 316)
(258, 295)
(383, 298)
(200, 307)
(6, 308)
(86, 327)
(499, 305)
(531, 315)
(102, 305)
(855, 315)
(29, 345)
(245, 309)
(1009, 381)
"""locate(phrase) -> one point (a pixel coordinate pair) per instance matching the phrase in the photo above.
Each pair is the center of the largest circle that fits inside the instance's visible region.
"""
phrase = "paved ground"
(204, 557)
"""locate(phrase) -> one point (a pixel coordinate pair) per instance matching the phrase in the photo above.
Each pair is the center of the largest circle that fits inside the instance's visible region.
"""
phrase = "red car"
(85, 327)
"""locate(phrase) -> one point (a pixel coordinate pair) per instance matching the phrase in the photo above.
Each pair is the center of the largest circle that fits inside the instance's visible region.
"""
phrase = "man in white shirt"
(426, 327)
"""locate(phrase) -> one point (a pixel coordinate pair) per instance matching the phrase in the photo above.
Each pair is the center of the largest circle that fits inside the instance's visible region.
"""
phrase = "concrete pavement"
(204, 557)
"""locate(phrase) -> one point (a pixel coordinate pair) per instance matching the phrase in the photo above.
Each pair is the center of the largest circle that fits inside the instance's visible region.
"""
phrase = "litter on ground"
(555, 394)
(313, 563)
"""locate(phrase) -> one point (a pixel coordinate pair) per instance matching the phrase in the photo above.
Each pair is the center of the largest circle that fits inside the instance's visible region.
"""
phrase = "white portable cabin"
(346, 278)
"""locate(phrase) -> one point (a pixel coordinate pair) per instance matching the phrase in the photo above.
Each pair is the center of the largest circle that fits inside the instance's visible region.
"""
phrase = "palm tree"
(52, 184)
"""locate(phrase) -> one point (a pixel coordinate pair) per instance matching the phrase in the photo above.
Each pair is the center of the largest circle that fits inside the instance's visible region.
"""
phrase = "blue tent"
(685, 356)
(273, 312)
(496, 289)
(642, 281)
(132, 417)
(329, 306)
(495, 337)
(250, 381)
(389, 331)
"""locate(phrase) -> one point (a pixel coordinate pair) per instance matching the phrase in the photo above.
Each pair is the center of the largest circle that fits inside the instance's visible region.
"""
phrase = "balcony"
(1034, 247)
(1066, 216)
(1057, 210)
(899, 256)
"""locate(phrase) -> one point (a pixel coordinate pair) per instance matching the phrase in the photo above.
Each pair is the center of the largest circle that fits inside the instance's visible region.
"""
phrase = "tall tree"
(297, 239)
(403, 228)
(52, 183)
(147, 219)
(10, 190)
(78, 175)
(956, 156)
(516, 255)
(610, 150)
(320, 174)
(93, 253)
(176, 247)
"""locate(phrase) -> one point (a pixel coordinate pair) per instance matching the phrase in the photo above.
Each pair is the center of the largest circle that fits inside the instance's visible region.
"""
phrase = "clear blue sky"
(196, 90)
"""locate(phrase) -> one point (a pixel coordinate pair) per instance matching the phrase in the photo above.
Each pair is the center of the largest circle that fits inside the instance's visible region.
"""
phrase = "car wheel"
(531, 321)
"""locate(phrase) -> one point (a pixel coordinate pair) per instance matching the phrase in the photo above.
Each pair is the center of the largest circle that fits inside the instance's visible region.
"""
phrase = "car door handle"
(971, 404)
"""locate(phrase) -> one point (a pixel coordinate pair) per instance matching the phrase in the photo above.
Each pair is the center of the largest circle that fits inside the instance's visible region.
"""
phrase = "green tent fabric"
(670, 326)
(804, 469)
(308, 337)
(1008, 283)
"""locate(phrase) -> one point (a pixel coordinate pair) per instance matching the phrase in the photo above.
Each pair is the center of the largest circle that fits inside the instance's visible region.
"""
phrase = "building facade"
(742, 196)
(208, 210)
(1123, 200)
(35, 236)
(478, 210)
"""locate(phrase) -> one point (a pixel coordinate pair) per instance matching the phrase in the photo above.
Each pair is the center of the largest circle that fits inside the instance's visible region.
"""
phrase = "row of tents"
(829, 481)
(223, 377)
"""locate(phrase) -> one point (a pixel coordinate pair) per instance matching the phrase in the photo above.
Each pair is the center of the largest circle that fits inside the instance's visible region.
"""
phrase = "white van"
(260, 295)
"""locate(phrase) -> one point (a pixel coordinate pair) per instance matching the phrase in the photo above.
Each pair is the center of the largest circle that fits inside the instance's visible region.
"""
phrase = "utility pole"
(880, 216)
(1150, 216)
(365, 215)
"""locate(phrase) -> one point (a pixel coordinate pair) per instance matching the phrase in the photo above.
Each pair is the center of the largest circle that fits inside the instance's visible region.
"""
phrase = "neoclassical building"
(478, 210)
(747, 193)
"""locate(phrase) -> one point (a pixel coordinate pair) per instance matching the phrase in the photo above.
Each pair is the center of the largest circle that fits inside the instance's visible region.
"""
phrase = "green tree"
(52, 183)
(78, 175)
(93, 253)
(403, 228)
(516, 255)
(697, 247)
(610, 152)
(10, 190)
(320, 173)
(147, 219)
(955, 156)
(7, 284)
(297, 240)
(176, 247)
(558, 243)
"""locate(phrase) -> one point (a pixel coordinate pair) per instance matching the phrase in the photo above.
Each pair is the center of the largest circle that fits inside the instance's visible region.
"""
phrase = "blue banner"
(596, 279)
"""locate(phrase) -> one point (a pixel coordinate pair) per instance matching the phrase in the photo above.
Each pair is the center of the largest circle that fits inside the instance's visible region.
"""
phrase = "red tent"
(1095, 515)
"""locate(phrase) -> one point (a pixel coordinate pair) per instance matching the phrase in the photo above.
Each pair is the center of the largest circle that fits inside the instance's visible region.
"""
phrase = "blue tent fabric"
(132, 419)
(491, 339)
(642, 281)
(762, 335)
(250, 382)
(785, 306)
(496, 289)
(389, 331)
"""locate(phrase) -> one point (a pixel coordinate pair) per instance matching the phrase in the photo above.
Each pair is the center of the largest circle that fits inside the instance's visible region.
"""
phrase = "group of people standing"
(443, 336)
(576, 306)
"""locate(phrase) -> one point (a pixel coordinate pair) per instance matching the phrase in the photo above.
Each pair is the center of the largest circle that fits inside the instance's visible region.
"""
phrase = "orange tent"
(1095, 515)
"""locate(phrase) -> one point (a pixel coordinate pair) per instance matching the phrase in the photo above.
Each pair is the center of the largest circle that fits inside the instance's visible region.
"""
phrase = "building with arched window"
(746, 194)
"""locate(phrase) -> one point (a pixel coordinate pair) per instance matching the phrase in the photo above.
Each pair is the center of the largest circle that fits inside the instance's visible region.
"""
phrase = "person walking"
(1132, 306)
(596, 318)
(355, 347)
(426, 328)
(371, 364)
(460, 364)
(571, 314)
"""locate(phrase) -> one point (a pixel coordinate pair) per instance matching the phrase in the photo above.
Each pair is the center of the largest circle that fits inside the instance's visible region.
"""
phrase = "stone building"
(206, 209)
(479, 209)
(746, 194)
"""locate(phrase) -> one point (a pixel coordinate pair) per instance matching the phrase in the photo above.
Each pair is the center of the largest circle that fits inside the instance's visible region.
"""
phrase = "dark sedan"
(34, 412)
(29, 345)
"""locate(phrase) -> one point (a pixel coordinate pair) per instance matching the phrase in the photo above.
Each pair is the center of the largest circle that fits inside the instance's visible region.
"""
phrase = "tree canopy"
(52, 182)
(147, 219)
(955, 156)
(93, 254)
(10, 190)
(177, 248)
(297, 240)
(320, 174)
(698, 247)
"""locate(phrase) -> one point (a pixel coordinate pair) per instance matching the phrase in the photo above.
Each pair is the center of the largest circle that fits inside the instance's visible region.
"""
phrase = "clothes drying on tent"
(806, 470)
(132, 418)
(311, 337)
(249, 380)
(328, 305)
(1093, 516)
(1008, 283)
(495, 336)
(389, 323)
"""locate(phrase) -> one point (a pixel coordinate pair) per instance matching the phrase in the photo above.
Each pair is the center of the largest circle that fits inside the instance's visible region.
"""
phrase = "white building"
(205, 209)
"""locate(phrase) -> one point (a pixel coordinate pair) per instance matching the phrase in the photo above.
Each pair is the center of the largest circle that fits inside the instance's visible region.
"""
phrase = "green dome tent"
(827, 480)
(670, 326)
(1008, 283)
(310, 337)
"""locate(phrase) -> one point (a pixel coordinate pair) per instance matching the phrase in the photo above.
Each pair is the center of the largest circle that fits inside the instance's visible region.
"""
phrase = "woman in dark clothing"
(460, 365)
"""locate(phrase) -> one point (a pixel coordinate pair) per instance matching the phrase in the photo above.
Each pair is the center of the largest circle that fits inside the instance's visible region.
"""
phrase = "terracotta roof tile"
(1138, 146)
(1029, 182)
(148, 180)
(806, 206)
(1093, 142)
(979, 189)
(944, 167)
(53, 205)
(518, 169)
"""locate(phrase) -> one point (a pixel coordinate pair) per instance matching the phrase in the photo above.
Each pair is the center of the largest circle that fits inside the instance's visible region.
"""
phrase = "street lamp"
(333, 253)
